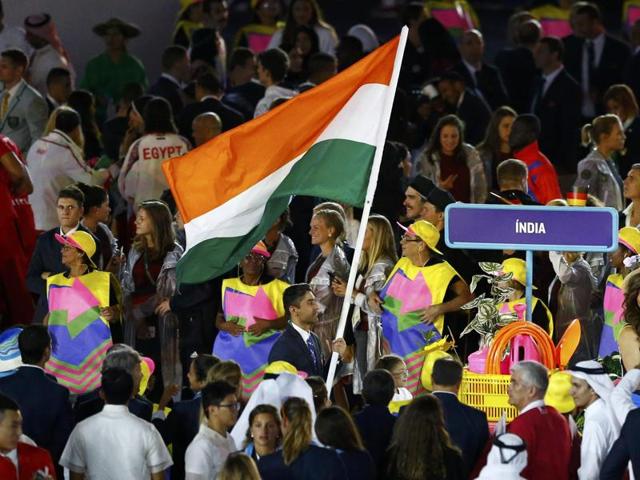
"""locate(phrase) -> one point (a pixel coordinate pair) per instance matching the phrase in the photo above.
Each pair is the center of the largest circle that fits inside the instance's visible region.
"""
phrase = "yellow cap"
(630, 238)
(426, 232)
(81, 240)
(518, 267)
(147, 366)
(557, 395)
(280, 366)
(427, 368)
(185, 4)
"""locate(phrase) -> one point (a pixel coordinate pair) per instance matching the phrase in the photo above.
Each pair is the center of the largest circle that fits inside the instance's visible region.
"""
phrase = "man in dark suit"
(243, 90)
(632, 69)
(556, 103)
(467, 426)
(473, 111)
(297, 344)
(597, 60)
(374, 421)
(46, 259)
(625, 449)
(176, 70)
(481, 78)
(58, 88)
(118, 356)
(209, 91)
(44, 404)
(517, 67)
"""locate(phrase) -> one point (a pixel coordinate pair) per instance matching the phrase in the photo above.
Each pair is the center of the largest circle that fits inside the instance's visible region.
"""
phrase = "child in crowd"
(398, 369)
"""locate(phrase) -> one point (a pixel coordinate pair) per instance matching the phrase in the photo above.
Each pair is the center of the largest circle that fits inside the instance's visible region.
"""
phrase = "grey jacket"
(430, 168)
(596, 174)
(26, 117)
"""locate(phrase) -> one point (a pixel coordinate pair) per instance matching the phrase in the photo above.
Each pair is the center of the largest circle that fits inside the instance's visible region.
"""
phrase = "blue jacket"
(375, 424)
(290, 347)
(359, 464)
(179, 429)
(624, 449)
(467, 427)
(315, 463)
(45, 407)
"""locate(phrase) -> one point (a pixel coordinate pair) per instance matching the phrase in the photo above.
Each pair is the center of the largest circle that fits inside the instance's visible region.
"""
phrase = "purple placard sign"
(585, 229)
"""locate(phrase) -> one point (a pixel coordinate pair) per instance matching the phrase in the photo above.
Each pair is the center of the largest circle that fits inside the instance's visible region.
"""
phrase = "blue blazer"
(375, 424)
(315, 463)
(26, 117)
(624, 449)
(359, 464)
(179, 429)
(290, 347)
(45, 407)
(467, 427)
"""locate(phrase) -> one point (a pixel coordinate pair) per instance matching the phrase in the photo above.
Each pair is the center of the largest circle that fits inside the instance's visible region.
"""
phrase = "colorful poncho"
(242, 304)
(80, 336)
(613, 313)
(408, 290)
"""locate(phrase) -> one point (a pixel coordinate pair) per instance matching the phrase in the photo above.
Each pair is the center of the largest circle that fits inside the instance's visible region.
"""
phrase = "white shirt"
(598, 437)
(588, 108)
(303, 333)
(532, 405)
(13, 456)
(55, 162)
(206, 454)
(141, 177)
(270, 94)
(43, 61)
(14, 37)
(628, 212)
(115, 445)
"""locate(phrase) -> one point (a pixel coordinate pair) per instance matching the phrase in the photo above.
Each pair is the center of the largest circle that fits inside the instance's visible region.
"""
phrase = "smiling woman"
(453, 165)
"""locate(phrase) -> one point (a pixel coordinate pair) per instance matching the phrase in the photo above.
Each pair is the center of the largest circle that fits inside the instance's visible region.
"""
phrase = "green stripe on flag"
(334, 169)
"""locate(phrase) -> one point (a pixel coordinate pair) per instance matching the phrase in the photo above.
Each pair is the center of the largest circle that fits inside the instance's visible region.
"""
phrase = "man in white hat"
(507, 458)
(591, 389)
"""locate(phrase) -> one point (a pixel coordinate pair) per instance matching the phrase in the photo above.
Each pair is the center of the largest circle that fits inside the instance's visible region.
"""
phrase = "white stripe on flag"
(358, 120)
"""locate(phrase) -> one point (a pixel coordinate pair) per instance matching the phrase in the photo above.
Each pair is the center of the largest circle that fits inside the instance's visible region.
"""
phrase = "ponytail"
(298, 436)
(602, 125)
(586, 133)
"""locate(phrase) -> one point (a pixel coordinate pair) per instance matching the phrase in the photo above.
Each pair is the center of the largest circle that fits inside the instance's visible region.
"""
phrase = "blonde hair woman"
(377, 260)
(298, 454)
(597, 171)
(327, 231)
(239, 466)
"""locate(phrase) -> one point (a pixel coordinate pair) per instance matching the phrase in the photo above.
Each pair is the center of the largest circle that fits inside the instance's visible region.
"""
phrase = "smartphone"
(332, 277)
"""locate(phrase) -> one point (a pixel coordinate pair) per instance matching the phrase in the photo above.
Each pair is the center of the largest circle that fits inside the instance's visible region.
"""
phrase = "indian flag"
(321, 143)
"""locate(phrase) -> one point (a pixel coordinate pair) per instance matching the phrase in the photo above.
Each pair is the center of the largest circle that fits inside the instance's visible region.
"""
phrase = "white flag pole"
(371, 190)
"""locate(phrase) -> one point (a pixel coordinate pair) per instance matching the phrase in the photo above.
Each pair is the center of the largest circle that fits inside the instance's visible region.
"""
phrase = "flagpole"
(371, 190)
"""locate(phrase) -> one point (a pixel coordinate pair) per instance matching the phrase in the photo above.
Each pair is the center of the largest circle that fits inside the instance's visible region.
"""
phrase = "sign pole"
(529, 286)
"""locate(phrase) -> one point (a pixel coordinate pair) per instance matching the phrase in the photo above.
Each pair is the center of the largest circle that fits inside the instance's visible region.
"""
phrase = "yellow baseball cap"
(630, 238)
(518, 267)
(557, 395)
(426, 232)
(82, 241)
(280, 366)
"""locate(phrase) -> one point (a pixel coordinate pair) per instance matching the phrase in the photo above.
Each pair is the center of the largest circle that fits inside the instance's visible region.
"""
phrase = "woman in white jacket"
(56, 161)
(141, 176)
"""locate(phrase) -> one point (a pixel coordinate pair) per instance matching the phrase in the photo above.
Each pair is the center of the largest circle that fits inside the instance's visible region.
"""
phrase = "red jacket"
(30, 460)
(543, 179)
(548, 440)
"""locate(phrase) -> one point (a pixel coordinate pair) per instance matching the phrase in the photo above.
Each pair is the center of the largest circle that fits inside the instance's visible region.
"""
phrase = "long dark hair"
(83, 102)
(289, 32)
(435, 147)
(163, 234)
(631, 308)
(491, 141)
(335, 428)
(419, 441)
(158, 116)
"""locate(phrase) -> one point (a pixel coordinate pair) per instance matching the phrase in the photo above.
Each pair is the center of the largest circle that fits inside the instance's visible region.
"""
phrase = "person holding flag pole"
(231, 190)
